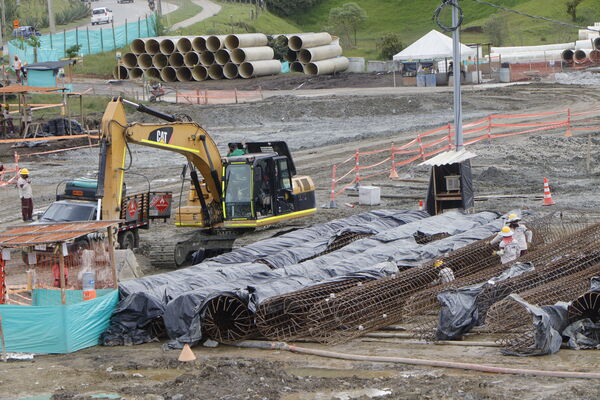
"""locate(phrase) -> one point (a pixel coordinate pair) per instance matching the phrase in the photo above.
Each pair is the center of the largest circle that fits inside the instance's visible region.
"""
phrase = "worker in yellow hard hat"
(521, 233)
(509, 248)
(445, 274)
(26, 195)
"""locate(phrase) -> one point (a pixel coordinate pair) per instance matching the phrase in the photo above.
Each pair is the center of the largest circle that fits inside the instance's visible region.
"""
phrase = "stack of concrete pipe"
(314, 53)
(198, 58)
(577, 52)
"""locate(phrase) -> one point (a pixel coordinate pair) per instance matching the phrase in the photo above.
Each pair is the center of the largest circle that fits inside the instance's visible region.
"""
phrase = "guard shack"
(451, 183)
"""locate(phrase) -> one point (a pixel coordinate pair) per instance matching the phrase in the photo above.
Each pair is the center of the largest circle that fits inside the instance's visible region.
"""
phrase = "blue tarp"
(57, 328)
(91, 41)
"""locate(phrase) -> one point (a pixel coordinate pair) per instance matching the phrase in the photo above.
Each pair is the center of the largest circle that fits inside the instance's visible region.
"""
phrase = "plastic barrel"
(88, 285)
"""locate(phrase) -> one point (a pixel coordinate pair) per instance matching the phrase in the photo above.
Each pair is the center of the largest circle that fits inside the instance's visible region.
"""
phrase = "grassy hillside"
(411, 19)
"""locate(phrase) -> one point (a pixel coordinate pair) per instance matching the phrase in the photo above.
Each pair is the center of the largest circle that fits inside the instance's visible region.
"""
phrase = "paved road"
(129, 11)
(208, 10)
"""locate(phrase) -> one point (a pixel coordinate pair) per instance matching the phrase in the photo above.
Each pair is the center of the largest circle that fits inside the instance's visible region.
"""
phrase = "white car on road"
(102, 15)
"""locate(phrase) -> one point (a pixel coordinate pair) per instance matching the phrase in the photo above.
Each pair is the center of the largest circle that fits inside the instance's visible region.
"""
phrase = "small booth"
(45, 74)
(58, 285)
(451, 182)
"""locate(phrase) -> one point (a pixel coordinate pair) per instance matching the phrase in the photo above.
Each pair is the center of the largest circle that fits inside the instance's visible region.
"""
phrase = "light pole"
(457, 74)
(51, 20)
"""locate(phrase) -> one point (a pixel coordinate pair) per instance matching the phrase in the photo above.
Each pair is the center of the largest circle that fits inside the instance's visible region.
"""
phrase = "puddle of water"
(40, 397)
(154, 374)
(105, 396)
(343, 395)
(339, 373)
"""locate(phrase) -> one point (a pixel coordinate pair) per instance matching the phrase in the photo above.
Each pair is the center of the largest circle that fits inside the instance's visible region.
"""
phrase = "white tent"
(432, 46)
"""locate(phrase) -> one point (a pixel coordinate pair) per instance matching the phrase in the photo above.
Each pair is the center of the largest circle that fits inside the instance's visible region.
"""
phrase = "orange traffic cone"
(186, 354)
(568, 132)
(421, 205)
(394, 173)
(547, 196)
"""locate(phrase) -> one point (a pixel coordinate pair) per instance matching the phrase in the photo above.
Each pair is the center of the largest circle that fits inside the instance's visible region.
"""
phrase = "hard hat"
(506, 232)
(513, 218)
(438, 263)
(24, 171)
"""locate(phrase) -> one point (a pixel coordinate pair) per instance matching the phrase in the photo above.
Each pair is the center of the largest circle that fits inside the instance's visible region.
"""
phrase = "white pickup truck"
(102, 15)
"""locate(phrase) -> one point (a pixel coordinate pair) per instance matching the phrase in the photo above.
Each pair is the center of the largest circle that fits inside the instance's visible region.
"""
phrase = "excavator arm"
(185, 138)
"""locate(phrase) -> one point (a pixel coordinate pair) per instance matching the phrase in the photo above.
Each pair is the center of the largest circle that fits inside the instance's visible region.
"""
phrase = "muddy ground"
(323, 130)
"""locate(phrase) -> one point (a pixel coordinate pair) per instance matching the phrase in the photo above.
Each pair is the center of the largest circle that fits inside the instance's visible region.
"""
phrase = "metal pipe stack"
(314, 53)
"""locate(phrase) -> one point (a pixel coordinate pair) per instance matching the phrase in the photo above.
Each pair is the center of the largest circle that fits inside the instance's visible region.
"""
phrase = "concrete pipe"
(200, 73)
(152, 73)
(584, 44)
(305, 41)
(580, 56)
(223, 56)
(135, 73)
(251, 69)
(297, 66)
(130, 60)
(240, 55)
(595, 56)
(215, 72)
(325, 67)
(184, 74)
(597, 43)
(215, 42)
(291, 56)
(319, 53)
(191, 59)
(207, 58)
(159, 61)
(184, 44)
(230, 70)
(152, 46)
(176, 60)
(199, 44)
(168, 74)
(245, 40)
(144, 60)
(120, 72)
(168, 45)
(567, 55)
(138, 46)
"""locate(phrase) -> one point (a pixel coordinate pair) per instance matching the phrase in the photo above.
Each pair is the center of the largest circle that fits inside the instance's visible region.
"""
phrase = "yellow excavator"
(232, 196)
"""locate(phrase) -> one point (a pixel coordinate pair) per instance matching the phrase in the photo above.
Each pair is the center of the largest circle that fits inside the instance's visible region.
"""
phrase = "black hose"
(438, 11)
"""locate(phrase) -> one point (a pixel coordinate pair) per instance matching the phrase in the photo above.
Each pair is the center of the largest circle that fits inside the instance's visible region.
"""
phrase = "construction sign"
(132, 210)
(160, 205)
(16, 24)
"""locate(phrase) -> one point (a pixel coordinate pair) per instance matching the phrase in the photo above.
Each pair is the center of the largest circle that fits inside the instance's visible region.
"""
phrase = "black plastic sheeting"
(460, 307)
(397, 245)
(144, 300)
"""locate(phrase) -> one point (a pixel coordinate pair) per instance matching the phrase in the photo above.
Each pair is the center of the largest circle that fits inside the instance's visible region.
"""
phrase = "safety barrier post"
(113, 32)
(102, 40)
(236, 95)
(64, 41)
(421, 147)
(147, 26)
(333, 182)
(489, 129)
(449, 137)
(88, 40)
(568, 132)
(197, 96)
(139, 33)
(126, 41)
(393, 172)
(357, 169)
(76, 37)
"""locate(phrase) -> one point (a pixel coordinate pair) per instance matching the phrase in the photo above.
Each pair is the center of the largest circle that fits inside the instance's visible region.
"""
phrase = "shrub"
(389, 45)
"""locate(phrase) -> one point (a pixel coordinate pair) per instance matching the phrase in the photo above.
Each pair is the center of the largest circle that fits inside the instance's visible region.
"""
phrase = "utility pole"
(51, 20)
(457, 74)
(3, 27)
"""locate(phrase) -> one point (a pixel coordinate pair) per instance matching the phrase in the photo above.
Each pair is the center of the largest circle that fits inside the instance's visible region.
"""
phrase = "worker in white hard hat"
(521, 234)
(509, 248)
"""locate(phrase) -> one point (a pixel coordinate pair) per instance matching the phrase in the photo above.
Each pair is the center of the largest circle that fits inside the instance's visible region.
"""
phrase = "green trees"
(572, 8)
(289, 7)
(497, 29)
(346, 20)
(389, 45)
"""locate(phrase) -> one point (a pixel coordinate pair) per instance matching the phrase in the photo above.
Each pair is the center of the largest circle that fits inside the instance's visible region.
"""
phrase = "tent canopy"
(433, 45)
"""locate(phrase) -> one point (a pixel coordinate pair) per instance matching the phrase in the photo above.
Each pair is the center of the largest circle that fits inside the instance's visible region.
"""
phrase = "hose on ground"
(414, 361)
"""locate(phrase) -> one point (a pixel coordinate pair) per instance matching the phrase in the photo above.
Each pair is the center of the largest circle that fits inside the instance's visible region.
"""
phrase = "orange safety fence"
(10, 175)
(49, 138)
(200, 96)
(368, 164)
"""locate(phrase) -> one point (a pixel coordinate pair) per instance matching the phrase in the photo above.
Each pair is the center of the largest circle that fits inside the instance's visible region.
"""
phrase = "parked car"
(25, 32)
(102, 15)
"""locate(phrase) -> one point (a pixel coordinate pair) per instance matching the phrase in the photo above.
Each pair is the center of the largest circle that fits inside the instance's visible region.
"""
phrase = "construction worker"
(18, 66)
(521, 233)
(235, 151)
(509, 248)
(445, 274)
(25, 193)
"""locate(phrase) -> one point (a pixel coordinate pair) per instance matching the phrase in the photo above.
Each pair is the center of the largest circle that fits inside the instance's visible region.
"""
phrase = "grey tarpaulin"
(548, 323)
(160, 289)
(397, 245)
(585, 333)
(460, 307)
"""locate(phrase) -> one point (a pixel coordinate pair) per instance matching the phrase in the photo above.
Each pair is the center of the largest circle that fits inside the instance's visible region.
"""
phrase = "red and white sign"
(132, 208)
(161, 204)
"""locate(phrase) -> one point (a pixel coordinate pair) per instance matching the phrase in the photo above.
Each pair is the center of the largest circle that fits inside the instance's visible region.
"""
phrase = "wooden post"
(114, 37)
(4, 356)
(61, 271)
(88, 39)
(126, 40)
(236, 95)
(111, 253)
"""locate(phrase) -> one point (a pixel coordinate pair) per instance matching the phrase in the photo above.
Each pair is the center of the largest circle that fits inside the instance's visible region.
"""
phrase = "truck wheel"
(127, 240)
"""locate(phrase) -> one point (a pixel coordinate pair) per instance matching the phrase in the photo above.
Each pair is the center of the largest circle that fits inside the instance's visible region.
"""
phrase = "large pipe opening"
(137, 46)
(136, 73)
(184, 74)
(222, 56)
(120, 72)
(145, 60)
(597, 43)
(250, 69)
(130, 60)
(579, 56)
(290, 56)
(200, 73)
(184, 45)
(245, 40)
(199, 44)
(176, 60)
(567, 55)
(152, 46)
(159, 61)
(191, 59)
(230, 70)
(207, 58)
(167, 46)
(297, 66)
(595, 56)
(214, 43)
(152, 73)
(168, 74)
(215, 71)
